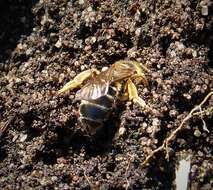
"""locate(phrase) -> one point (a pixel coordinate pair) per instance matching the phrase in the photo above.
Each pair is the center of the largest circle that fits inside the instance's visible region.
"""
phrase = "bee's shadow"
(69, 142)
(97, 144)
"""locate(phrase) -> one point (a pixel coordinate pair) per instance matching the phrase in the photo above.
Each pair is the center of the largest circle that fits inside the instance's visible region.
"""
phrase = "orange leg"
(78, 80)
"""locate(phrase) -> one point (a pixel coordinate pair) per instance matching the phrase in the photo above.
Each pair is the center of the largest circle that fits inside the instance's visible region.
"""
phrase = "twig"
(166, 142)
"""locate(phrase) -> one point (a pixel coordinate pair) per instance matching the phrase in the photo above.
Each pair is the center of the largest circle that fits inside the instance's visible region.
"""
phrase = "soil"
(44, 44)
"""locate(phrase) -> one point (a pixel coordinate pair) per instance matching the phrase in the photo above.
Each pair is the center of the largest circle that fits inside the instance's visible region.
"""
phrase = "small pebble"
(58, 43)
(197, 133)
(149, 129)
(121, 131)
(81, 2)
(93, 39)
(204, 10)
(54, 178)
(173, 113)
(138, 32)
(23, 137)
(156, 122)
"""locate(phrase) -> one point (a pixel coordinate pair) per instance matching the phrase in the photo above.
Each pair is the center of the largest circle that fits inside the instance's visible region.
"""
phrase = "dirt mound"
(45, 44)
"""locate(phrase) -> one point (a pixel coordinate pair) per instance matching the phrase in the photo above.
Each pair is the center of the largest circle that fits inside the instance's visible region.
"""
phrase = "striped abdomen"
(93, 113)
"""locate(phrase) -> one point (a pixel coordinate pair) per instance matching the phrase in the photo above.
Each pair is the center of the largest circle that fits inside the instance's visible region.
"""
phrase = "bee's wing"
(93, 90)
(99, 85)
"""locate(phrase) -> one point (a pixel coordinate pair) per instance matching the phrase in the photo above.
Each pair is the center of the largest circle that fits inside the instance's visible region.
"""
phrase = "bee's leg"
(140, 78)
(133, 94)
(78, 80)
(122, 96)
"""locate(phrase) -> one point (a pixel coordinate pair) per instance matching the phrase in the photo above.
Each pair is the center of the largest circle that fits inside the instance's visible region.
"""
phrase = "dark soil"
(45, 44)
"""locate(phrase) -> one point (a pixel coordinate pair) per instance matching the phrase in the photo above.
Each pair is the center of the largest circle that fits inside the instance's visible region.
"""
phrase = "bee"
(101, 89)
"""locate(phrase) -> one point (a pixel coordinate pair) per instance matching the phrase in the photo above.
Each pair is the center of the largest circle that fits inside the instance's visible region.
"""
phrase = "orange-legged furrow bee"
(100, 90)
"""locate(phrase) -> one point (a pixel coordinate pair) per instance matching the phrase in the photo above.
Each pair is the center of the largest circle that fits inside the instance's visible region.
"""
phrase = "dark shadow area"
(204, 37)
(165, 42)
(144, 40)
(123, 38)
(67, 140)
(161, 173)
(3, 153)
(210, 55)
(16, 20)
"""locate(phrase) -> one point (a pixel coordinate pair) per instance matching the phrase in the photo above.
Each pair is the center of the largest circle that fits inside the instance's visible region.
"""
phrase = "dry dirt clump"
(46, 43)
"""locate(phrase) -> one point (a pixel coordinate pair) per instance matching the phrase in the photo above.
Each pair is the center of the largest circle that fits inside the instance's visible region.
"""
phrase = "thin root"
(197, 110)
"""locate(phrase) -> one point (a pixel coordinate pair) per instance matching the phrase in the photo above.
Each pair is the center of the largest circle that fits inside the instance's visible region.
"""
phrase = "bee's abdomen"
(94, 113)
